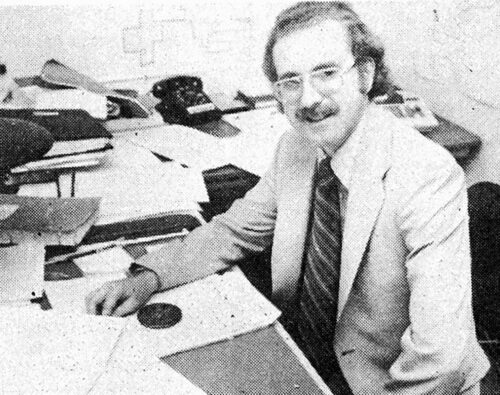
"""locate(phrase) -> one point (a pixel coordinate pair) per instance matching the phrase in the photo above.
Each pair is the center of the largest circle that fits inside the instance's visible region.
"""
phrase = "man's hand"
(122, 297)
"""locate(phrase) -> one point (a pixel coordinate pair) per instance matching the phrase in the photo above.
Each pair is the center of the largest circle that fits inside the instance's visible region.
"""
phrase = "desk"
(263, 361)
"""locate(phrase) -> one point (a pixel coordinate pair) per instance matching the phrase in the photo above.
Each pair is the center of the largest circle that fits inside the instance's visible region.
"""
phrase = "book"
(59, 221)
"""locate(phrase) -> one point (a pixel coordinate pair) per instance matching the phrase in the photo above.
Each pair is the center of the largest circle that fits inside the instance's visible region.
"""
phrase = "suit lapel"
(294, 205)
(365, 199)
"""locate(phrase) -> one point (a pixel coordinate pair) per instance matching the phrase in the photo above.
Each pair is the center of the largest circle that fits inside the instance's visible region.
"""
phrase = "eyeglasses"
(328, 79)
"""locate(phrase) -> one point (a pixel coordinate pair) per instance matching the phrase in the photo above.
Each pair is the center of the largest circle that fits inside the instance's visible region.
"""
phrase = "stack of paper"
(75, 147)
(70, 154)
(252, 149)
(57, 99)
(133, 184)
(57, 74)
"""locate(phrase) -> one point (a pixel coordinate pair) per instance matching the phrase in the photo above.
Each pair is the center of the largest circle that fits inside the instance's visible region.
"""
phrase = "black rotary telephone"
(184, 102)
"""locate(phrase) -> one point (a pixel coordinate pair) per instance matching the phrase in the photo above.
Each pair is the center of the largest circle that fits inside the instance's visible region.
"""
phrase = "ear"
(366, 69)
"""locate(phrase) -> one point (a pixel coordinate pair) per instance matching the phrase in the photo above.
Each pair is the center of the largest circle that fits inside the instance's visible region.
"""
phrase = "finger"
(127, 307)
(96, 297)
(112, 299)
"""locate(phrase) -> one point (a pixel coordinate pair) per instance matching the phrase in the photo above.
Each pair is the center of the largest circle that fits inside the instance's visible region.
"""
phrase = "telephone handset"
(184, 102)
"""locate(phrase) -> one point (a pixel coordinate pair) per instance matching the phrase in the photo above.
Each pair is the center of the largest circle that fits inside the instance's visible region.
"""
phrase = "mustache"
(317, 111)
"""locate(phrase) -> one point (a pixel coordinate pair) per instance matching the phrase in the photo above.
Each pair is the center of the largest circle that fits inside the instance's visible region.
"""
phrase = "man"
(368, 221)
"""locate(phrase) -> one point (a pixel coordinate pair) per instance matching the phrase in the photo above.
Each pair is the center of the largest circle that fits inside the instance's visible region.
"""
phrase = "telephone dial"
(184, 102)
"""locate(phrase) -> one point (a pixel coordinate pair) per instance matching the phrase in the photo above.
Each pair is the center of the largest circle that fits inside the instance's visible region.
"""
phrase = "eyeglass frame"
(339, 77)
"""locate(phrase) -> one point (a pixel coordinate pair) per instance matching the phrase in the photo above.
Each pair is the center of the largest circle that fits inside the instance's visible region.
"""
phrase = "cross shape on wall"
(142, 38)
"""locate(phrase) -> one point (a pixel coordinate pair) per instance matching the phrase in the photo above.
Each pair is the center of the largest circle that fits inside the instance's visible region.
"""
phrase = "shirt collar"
(342, 162)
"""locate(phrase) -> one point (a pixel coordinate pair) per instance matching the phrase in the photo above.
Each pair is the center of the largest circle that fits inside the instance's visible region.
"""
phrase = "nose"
(309, 95)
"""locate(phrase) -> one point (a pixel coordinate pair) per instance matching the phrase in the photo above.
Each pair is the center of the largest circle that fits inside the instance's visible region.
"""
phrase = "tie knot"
(325, 172)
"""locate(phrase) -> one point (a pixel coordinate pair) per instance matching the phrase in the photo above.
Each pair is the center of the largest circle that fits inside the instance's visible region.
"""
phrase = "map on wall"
(463, 47)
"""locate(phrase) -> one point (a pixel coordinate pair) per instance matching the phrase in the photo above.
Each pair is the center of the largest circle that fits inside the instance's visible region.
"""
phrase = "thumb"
(128, 306)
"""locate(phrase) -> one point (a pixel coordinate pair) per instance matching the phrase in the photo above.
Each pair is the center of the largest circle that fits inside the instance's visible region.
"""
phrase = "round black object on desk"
(22, 142)
(159, 315)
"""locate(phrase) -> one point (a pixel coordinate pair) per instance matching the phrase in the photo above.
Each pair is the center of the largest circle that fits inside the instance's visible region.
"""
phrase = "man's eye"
(327, 73)
(291, 83)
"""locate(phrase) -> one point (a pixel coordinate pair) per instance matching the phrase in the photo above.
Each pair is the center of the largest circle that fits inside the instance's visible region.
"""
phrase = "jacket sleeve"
(246, 228)
(434, 223)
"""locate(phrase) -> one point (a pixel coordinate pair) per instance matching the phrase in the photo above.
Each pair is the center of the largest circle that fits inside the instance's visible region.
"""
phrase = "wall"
(449, 53)
(446, 51)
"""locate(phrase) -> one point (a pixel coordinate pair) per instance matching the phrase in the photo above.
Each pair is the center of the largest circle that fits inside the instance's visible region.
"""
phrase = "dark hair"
(363, 42)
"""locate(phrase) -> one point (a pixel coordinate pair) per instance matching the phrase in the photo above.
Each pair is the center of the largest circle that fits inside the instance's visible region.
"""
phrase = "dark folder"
(62, 124)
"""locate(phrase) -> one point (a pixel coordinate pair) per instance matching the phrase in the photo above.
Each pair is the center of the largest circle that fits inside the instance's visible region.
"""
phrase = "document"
(62, 352)
(133, 369)
(113, 260)
(21, 269)
(44, 99)
(183, 144)
(214, 309)
(49, 352)
(69, 295)
(253, 149)
(135, 184)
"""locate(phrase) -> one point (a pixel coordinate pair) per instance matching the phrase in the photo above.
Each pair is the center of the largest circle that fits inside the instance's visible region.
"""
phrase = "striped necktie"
(319, 294)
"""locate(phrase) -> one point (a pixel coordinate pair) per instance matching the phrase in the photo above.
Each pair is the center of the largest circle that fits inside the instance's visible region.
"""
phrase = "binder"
(162, 224)
(62, 124)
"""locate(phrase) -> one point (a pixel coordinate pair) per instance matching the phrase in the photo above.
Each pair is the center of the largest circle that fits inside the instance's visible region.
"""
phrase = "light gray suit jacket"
(405, 321)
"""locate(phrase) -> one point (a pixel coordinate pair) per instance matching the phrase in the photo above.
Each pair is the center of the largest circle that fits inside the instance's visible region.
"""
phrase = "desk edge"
(280, 330)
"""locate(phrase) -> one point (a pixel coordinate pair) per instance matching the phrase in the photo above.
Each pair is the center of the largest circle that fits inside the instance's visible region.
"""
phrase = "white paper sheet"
(133, 369)
(253, 148)
(185, 145)
(52, 352)
(93, 103)
(216, 308)
(21, 269)
(69, 295)
(112, 260)
(134, 183)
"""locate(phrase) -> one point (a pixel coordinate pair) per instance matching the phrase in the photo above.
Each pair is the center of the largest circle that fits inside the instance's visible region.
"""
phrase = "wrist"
(147, 276)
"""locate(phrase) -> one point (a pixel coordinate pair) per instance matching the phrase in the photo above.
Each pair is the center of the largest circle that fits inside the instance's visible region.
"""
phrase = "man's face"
(326, 109)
